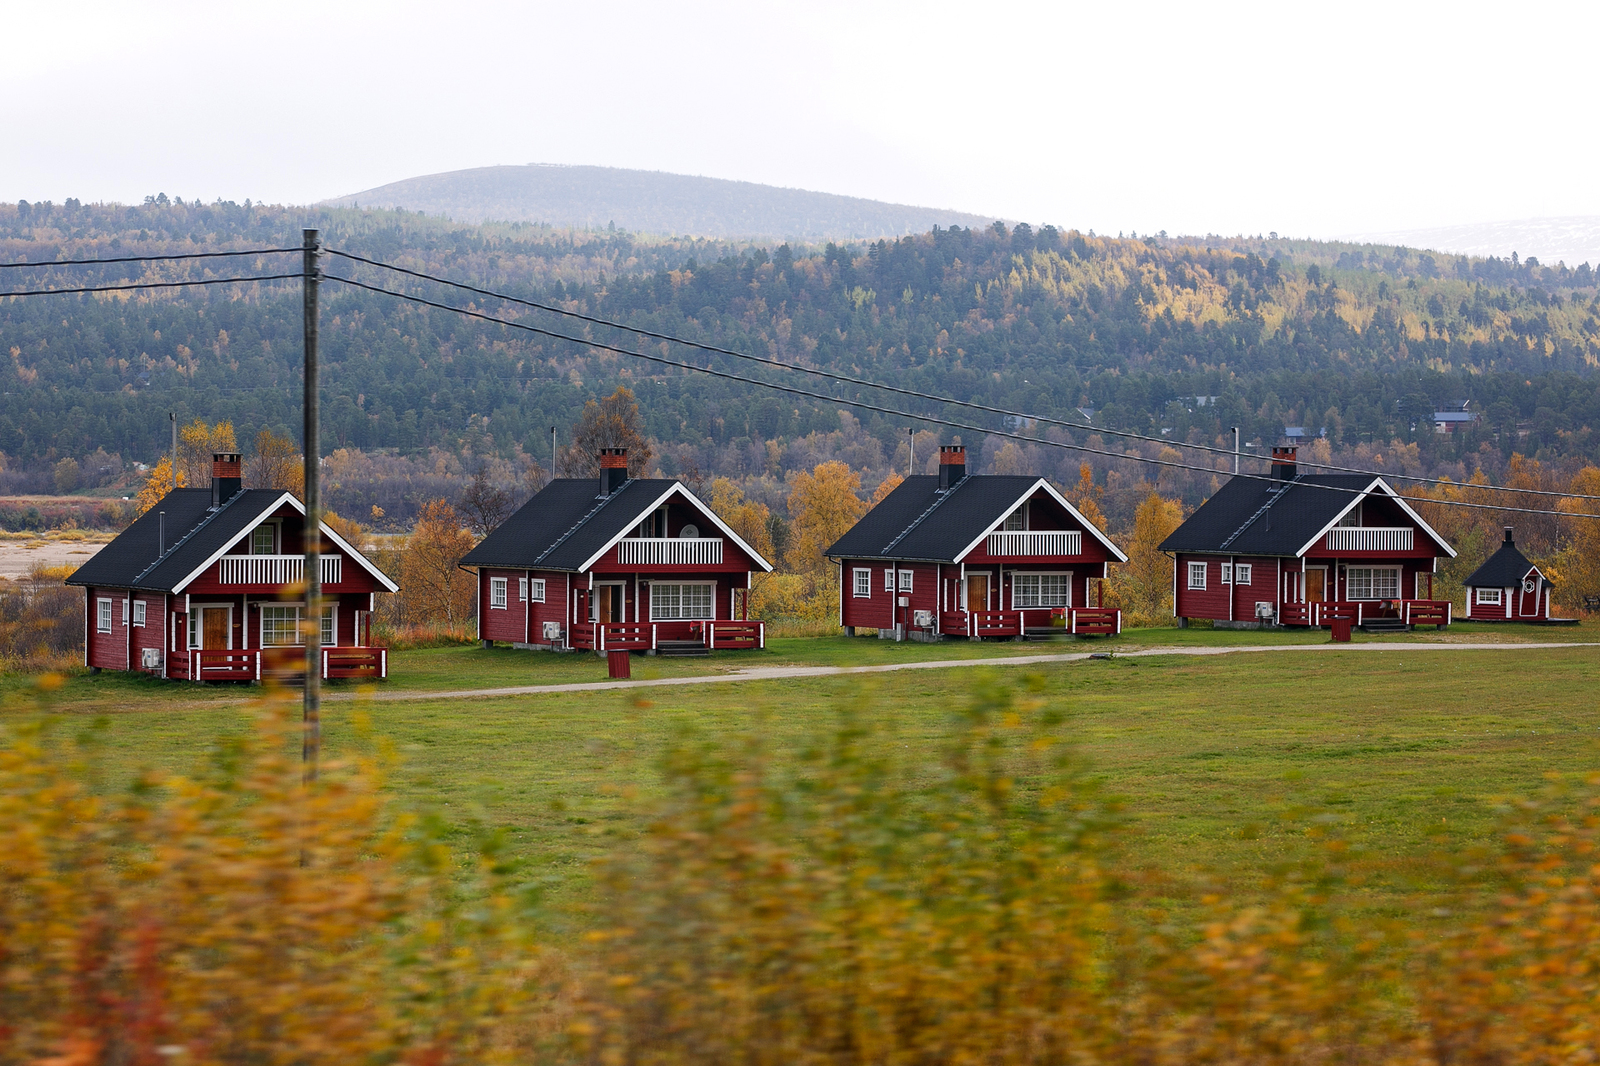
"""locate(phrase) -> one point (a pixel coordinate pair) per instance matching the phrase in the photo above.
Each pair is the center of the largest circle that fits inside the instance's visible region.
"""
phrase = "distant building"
(1295, 433)
(1448, 421)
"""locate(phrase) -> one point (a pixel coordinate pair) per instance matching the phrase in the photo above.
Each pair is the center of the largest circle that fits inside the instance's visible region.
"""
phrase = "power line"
(916, 394)
(146, 258)
(152, 285)
(792, 390)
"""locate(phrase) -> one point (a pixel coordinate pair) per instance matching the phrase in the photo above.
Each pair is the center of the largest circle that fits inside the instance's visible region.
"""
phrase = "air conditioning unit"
(922, 619)
(1263, 610)
(150, 658)
(552, 631)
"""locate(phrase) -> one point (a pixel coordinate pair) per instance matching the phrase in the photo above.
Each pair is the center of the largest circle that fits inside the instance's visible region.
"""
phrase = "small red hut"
(618, 563)
(1508, 588)
(975, 556)
(210, 582)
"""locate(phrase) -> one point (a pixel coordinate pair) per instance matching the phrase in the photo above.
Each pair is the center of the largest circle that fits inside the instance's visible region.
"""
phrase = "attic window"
(1352, 517)
(1016, 520)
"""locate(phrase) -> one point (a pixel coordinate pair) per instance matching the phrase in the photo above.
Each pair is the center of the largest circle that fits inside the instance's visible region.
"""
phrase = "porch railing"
(1041, 542)
(669, 551)
(1369, 539)
(274, 569)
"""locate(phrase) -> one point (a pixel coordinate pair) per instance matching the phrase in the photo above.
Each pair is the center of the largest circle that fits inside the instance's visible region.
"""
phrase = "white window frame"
(888, 580)
(275, 609)
(1197, 569)
(271, 528)
(102, 614)
(861, 583)
(330, 625)
(1241, 573)
(655, 604)
(1018, 577)
(905, 580)
(536, 590)
(1016, 520)
(1227, 573)
(1481, 597)
(192, 623)
(497, 593)
(138, 613)
(1371, 583)
(195, 633)
(522, 590)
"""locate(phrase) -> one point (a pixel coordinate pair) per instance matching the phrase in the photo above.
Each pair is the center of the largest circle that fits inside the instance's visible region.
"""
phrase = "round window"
(1529, 584)
(689, 531)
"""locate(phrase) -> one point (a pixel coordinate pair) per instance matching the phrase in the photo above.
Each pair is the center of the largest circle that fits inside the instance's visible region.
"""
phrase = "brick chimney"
(1283, 464)
(613, 469)
(226, 480)
(952, 465)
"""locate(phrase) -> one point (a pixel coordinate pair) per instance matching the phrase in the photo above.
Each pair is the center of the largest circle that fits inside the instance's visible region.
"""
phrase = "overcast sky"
(1308, 119)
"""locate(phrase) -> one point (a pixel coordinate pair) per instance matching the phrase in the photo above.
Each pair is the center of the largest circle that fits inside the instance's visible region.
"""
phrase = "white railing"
(274, 569)
(1369, 539)
(669, 551)
(1047, 542)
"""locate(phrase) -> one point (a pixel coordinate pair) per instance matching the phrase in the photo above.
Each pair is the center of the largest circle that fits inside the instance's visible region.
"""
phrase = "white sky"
(1308, 119)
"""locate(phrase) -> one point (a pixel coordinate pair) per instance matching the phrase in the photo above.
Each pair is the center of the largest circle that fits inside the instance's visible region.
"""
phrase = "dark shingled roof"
(1239, 520)
(194, 534)
(1505, 569)
(567, 523)
(917, 521)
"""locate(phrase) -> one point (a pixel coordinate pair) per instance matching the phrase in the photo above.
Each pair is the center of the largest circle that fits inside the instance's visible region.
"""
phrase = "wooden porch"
(1361, 612)
(286, 664)
(712, 634)
(1077, 621)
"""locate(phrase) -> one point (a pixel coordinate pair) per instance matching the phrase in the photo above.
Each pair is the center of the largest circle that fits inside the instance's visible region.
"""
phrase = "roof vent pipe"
(226, 482)
(161, 534)
(952, 465)
(613, 470)
(1283, 464)
(1508, 535)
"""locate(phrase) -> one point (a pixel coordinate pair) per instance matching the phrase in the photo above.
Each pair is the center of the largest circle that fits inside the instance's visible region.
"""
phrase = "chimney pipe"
(161, 535)
(613, 469)
(226, 482)
(1508, 535)
(1283, 464)
(952, 466)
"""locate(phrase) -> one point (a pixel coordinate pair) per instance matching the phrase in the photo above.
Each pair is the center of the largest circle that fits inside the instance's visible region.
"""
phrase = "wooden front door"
(1528, 597)
(1317, 586)
(213, 628)
(977, 592)
(613, 603)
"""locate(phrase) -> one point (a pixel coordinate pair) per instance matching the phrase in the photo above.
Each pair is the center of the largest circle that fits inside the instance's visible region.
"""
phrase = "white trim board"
(1115, 551)
(694, 501)
(1379, 483)
(265, 513)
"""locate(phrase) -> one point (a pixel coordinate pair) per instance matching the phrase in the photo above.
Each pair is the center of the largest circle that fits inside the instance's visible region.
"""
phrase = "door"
(1317, 585)
(612, 603)
(1528, 596)
(977, 592)
(213, 627)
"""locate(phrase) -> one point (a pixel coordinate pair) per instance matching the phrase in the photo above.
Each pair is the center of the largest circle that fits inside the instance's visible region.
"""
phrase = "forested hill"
(652, 202)
(1362, 341)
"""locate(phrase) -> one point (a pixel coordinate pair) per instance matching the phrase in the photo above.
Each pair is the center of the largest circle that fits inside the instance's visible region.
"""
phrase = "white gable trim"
(678, 489)
(1378, 483)
(289, 498)
(1116, 552)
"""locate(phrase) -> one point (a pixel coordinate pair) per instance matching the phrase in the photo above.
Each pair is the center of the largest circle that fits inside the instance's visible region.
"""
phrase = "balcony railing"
(1369, 539)
(274, 569)
(669, 551)
(1044, 542)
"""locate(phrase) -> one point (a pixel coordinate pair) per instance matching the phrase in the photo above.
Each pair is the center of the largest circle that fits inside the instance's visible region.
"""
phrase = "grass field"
(1218, 760)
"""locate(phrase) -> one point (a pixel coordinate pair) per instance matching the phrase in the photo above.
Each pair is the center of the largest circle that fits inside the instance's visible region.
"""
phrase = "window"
(1352, 518)
(1015, 520)
(1372, 583)
(522, 589)
(672, 602)
(863, 583)
(102, 616)
(1489, 597)
(138, 612)
(536, 590)
(1197, 575)
(905, 581)
(1241, 573)
(328, 637)
(497, 593)
(1227, 573)
(888, 581)
(280, 626)
(1041, 590)
(264, 540)
(124, 612)
(194, 629)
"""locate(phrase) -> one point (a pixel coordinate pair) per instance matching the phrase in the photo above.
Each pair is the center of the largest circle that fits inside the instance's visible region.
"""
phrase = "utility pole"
(172, 416)
(311, 717)
(1235, 449)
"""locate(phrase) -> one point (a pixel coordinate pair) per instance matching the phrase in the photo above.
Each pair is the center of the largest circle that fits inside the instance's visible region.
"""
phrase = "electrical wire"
(148, 258)
(913, 393)
(863, 405)
(152, 285)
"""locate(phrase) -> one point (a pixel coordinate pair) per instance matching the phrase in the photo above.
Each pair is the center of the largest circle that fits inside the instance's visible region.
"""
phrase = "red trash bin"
(1341, 629)
(617, 661)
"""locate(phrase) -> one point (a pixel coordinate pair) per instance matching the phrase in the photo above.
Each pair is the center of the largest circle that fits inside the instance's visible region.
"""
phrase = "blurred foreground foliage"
(877, 898)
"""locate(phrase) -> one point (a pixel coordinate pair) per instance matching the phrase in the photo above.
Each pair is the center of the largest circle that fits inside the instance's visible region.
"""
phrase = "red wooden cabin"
(1508, 588)
(618, 563)
(974, 556)
(208, 586)
(1304, 549)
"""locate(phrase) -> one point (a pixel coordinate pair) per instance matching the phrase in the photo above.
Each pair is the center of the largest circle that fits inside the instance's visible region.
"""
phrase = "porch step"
(681, 648)
(1385, 625)
(1044, 633)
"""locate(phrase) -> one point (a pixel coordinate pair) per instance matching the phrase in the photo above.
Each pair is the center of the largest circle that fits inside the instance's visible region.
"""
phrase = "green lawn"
(1211, 755)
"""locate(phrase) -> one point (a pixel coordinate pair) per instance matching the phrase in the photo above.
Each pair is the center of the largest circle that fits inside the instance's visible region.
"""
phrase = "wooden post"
(311, 716)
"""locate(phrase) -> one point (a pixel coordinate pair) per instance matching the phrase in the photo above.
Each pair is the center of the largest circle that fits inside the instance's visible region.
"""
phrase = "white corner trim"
(1115, 551)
